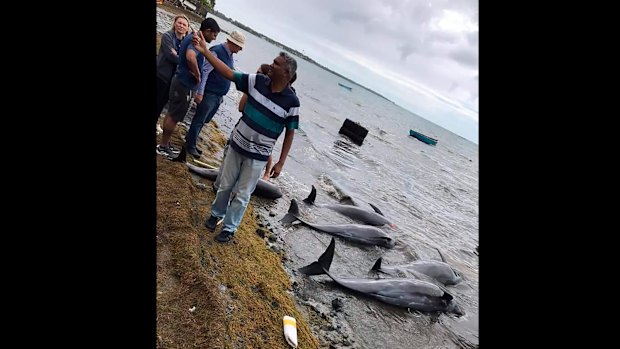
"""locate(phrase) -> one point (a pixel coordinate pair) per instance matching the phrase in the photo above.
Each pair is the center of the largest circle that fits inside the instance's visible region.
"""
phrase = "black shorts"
(180, 97)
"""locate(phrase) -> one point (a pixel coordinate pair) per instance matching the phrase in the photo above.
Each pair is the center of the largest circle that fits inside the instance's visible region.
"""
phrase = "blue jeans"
(242, 173)
(204, 113)
(219, 174)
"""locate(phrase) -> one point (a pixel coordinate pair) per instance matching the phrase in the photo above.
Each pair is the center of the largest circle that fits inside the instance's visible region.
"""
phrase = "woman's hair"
(181, 16)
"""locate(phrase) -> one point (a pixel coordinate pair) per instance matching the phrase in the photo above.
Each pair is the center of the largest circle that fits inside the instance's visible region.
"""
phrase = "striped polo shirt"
(264, 117)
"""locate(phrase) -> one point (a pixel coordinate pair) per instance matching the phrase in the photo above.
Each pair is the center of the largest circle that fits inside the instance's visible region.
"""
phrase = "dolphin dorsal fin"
(376, 209)
(441, 255)
(326, 258)
(321, 266)
(377, 265)
(292, 214)
(310, 199)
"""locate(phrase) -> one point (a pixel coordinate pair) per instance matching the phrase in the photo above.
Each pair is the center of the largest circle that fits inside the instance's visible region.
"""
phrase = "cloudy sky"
(421, 54)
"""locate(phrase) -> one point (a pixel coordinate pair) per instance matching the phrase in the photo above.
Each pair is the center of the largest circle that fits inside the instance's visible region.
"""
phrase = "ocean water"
(429, 192)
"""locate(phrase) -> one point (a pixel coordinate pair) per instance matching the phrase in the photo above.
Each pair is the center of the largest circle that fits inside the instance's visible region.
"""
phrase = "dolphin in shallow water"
(354, 212)
(263, 189)
(408, 293)
(439, 271)
(364, 234)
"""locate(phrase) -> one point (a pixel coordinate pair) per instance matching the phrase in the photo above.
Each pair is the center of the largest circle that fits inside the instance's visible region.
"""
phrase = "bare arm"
(201, 45)
(286, 146)
(267, 168)
(242, 102)
(192, 64)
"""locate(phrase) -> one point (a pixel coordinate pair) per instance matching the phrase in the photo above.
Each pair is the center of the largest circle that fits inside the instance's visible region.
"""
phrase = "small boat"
(424, 138)
(345, 86)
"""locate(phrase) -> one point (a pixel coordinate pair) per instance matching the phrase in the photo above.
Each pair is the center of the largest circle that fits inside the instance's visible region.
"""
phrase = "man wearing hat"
(213, 86)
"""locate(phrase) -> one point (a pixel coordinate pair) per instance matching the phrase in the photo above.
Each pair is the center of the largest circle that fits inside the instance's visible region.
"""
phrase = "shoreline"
(240, 291)
(210, 294)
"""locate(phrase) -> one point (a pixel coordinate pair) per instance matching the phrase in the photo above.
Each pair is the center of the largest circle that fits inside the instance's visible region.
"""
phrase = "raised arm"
(206, 70)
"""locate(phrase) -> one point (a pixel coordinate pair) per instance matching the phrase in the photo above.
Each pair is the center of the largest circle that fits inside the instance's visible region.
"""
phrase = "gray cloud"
(473, 38)
(466, 57)
(341, 16)
(408, 34)
(441, 37)
(405, 51)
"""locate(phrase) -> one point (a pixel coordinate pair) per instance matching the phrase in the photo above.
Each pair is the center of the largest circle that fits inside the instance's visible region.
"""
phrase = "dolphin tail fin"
(376, 209)
(377, 265)
(322, 265)
(292, 214)
(310, 199)
(182, 157)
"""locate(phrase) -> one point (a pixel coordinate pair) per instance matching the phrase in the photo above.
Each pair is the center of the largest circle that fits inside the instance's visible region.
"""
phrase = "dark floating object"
(354, 131)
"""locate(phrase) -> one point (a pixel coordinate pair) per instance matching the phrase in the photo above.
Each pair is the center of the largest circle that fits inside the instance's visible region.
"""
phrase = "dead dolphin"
(437, 270)
(354, 212)
(408, 293)
(364, 234)
(263, 189)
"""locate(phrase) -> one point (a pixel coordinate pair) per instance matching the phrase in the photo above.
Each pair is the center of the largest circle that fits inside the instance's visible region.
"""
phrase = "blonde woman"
(168, 58)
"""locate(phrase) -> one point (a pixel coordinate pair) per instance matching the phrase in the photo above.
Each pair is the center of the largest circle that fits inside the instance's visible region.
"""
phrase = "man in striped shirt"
(271, 107)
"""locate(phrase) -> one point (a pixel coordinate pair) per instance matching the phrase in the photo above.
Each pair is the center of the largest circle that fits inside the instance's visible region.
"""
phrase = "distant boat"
(424, 138)
(345, 86)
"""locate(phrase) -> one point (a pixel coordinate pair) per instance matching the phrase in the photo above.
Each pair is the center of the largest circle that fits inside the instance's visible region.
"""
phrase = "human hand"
(174, 52)
(276, 169)
(199, 42)
(198, 98)
(264, 69)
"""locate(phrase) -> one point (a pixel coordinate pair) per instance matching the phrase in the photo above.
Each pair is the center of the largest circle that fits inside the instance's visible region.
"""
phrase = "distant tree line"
(286, 48)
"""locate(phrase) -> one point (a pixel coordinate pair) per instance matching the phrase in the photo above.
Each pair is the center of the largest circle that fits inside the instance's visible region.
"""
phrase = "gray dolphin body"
(364, 234)
(439, 271)
(354, 212)
(263, 189)
(408, 293)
